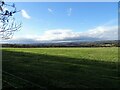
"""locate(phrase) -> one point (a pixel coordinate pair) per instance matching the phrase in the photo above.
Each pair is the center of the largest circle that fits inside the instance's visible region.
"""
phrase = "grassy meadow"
(60, 67)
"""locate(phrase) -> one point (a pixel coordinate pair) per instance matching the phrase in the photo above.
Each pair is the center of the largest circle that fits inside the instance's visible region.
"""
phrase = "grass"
(60, 67)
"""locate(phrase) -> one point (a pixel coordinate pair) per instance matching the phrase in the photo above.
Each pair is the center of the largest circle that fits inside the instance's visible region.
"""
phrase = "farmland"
(60, 67)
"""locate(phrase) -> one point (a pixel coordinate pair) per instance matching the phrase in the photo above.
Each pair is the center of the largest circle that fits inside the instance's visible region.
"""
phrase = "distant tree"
(7, 21)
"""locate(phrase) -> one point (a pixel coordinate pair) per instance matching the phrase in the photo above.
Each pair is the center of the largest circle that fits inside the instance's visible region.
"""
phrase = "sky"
(65, 21)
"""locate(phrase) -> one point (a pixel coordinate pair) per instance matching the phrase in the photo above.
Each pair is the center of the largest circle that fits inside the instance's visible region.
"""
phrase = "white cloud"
(104, 32)
(50, 10)
(69, 11)
(25, 14)
(98, 33)
(58, 34)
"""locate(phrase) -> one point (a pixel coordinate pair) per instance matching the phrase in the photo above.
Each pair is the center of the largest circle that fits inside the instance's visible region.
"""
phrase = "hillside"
(108, 43)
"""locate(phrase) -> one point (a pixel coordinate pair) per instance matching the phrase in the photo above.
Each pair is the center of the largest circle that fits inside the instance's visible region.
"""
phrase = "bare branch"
(7, 22)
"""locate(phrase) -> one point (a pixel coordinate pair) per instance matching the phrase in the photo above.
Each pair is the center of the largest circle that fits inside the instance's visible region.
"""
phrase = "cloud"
(25, 14)
(57, 35)
(50, 10)
(104, 32)
(69, 11)
(98, 33)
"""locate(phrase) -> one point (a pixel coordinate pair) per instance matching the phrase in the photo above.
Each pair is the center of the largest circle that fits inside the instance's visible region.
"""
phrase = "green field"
(60, 67)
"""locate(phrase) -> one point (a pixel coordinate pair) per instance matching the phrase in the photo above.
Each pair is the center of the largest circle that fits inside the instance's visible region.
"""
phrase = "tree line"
(71, 44)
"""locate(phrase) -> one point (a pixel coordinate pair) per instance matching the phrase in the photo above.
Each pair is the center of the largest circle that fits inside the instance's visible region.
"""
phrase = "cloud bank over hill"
(68, 35)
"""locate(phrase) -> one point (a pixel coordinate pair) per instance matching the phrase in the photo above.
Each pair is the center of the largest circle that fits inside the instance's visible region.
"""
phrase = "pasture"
(60, 67)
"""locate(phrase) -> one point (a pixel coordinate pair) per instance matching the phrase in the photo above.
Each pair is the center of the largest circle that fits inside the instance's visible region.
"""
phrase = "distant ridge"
(105, 43)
